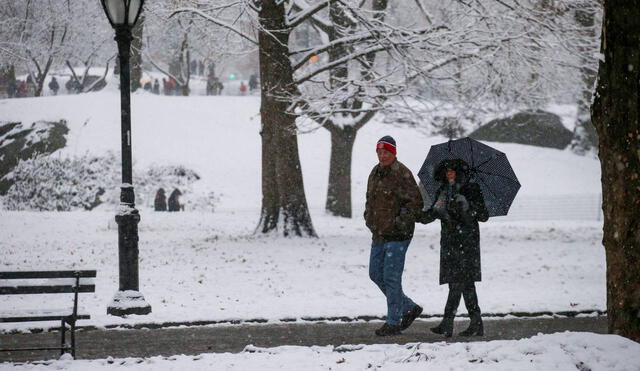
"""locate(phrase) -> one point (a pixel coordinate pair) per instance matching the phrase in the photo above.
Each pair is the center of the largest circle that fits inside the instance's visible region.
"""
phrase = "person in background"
(253, 82)
(160, 202)
(459, 205)
(243, 88)
(156, 87)
(392, 204)
(174, 200)
(12, 88)
(54, 86)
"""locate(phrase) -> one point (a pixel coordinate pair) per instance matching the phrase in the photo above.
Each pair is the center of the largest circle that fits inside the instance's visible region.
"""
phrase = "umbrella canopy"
(484, 165)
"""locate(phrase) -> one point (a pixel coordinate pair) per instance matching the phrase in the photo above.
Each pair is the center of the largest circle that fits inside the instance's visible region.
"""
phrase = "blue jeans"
(385, 270)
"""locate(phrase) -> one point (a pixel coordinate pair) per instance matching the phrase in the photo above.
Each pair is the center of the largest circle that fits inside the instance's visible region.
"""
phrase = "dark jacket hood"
(460, 166)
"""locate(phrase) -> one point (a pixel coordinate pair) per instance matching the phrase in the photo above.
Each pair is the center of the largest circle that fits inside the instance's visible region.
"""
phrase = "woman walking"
(459, 205)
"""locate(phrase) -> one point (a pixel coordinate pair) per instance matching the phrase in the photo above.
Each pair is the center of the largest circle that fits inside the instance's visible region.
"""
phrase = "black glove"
(459, 209)
(426, 217)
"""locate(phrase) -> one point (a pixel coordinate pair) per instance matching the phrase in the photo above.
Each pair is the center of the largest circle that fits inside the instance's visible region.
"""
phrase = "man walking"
(393, 202)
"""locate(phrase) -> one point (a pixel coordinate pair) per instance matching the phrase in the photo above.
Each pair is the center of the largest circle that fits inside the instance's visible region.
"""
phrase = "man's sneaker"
(388, 330)
(410, 316)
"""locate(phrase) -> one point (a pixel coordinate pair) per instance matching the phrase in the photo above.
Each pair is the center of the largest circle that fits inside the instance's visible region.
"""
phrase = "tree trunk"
(616, 116)
(284, 205)
(585, 136)
(339, 192)
(40, 77)
(136, 54)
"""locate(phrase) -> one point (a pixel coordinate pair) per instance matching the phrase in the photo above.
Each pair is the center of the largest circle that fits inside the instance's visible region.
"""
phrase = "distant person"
(147, 86)
(54, 86)
(173, 86)
(393, 202)
(156, 87)
(174, 200)
(201, 68)
(22, 90)
(211, 86)
(459, 205)
(160, 203)
(212, 69)
(194, 67)
(218, 86)
(72, 86)
(243, 88)
(12, 88)
(253, 82)
(31, 87)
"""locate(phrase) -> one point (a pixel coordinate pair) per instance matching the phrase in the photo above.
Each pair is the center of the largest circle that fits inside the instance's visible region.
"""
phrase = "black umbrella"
(488, 167)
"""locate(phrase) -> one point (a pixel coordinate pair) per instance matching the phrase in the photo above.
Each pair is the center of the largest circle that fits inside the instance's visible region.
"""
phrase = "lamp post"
(122, 15)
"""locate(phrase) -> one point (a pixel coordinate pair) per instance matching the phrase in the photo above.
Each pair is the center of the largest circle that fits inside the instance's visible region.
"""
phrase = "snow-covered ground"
(561, 351)
(210, 267)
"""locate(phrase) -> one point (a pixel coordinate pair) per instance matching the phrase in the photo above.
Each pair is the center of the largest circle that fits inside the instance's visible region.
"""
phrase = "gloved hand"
(461, 203)
(425, 216)
(459, 209)
(404, 221)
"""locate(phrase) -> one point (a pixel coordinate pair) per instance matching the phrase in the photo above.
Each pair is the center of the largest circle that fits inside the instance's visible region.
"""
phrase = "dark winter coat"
(53, 85)
(160, 202)
(393, 203)
(460, 234)
(174, 202)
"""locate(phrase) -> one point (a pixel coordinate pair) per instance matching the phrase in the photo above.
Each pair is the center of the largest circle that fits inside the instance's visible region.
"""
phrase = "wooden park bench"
(47, 282)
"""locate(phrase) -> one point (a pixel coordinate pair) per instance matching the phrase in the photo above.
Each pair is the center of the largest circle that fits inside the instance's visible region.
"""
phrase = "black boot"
(388, 330)
(476, 328)
(453, 300)
(444, 328)
(410, 316)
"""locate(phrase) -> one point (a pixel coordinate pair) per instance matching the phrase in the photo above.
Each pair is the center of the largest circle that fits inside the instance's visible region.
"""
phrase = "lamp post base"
(128, 302)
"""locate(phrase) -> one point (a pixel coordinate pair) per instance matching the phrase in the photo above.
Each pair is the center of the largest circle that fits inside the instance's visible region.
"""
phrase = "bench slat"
(46, 274)
(41, 318)
(51, 289)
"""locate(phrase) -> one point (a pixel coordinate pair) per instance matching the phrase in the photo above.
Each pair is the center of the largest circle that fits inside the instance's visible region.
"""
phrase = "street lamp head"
(122, 12)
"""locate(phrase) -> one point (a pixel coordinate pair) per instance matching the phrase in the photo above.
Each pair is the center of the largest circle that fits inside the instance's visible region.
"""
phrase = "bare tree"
(39, 35)
(284, 206)
(353, 94)
(169, 43)
(616, 117)
(35, 35)
(433, 64)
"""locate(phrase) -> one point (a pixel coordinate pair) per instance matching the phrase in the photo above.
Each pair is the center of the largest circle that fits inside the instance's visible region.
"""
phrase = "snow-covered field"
(210, 267)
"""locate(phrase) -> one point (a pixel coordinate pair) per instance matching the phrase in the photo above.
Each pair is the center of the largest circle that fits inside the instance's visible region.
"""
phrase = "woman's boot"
(476, 327)
(444, 328)
(453, 300)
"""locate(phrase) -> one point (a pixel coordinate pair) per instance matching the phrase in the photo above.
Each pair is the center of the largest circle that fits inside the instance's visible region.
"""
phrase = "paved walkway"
(92, 344)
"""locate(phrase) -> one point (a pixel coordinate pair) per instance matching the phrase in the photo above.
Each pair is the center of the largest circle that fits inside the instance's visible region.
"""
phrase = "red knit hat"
(388, 143)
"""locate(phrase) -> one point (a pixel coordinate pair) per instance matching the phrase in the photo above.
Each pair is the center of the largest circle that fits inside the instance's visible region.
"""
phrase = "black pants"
(468, 291)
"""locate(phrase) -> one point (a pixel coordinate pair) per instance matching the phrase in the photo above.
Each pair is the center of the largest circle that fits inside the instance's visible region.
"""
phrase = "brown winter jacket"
(393, 202)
